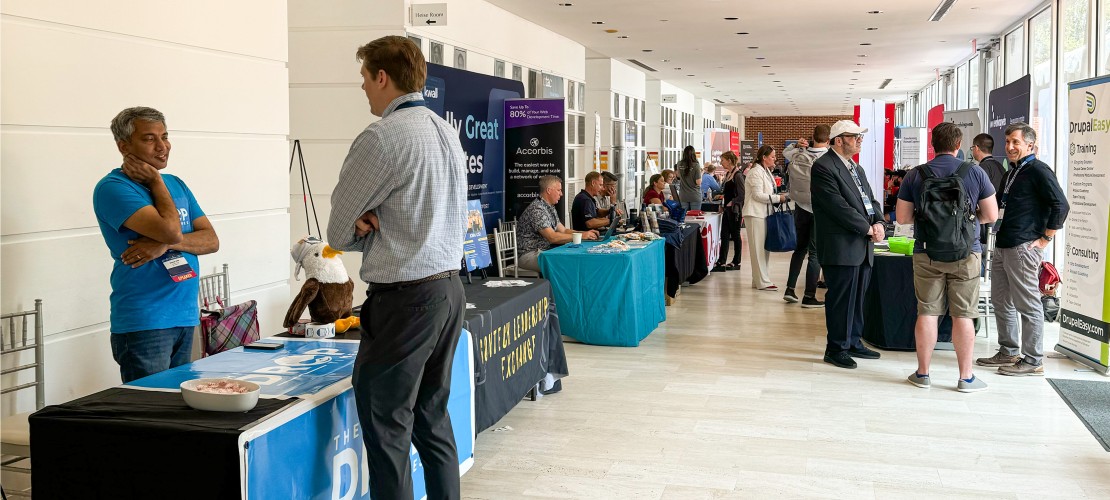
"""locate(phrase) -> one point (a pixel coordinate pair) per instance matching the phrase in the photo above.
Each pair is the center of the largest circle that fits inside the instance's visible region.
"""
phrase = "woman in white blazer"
(759, 195)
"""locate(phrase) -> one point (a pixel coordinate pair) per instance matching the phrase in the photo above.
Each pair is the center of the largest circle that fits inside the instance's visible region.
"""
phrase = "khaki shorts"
(952, 285)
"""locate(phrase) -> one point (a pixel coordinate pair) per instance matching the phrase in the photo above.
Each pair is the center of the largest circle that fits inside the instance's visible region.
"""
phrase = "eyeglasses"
(852, 136)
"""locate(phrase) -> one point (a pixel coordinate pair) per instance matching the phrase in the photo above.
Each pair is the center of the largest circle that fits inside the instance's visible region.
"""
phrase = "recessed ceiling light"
(689, 75)
(862, 55)
(623, 36)
(566, 5)
(760, 58)
(943, 41)
(776, 81)
(664, 20)
(873, 29)
(731, 18)
(766, 66)
(865, 64)
(855, 71)
(770, 73)
(743, 33)
(598, 22)
(865, 43)
(678, 69)
(647, 50)
(874, 12)
(753, 47)
(610, 30)
(666, 60)
(854, 79)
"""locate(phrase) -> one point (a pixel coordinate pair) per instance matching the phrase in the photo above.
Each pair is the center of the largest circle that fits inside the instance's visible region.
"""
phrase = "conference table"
(517, 343)
(612, 299)
(712, 223)
(685, 257)
(890, 306)
(303, 440)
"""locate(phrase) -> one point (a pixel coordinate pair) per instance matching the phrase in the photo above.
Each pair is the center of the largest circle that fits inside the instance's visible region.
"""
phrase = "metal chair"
(15, 341)
(986, 309)
(214, 289)
(506, 252)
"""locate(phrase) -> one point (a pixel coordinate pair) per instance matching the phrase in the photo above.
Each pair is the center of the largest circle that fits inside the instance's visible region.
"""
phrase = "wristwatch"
(1046, 238)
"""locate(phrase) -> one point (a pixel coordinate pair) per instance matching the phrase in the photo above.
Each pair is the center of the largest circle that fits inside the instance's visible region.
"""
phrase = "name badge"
(177, 267)
(998, 221)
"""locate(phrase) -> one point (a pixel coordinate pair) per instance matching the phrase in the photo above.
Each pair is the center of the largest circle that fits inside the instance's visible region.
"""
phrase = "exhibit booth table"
(302, 441)
(711, 226)
(517, 343)
(607, 299)
(890, 306)
(685, 257)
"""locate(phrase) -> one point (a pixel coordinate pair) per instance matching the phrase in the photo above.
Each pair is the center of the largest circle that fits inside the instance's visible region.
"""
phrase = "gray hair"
(123, 125)
(547, 181)
(1027, 132)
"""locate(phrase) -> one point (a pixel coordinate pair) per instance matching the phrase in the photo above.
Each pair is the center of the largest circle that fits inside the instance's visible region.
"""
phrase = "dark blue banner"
(536, 147)
(1006, 105)
(474, 105)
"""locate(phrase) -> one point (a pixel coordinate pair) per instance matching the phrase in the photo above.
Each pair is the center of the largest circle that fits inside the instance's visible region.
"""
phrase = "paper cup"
(576, 238)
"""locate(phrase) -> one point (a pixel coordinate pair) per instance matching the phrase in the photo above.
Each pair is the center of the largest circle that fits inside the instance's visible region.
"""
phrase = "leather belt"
(386, 287)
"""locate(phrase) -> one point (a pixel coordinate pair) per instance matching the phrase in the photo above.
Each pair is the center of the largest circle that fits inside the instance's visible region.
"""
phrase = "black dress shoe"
(841, 359)
(863, 352)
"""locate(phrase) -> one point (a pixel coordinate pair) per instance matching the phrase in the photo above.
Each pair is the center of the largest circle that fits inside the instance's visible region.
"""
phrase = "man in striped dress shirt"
(401, 201)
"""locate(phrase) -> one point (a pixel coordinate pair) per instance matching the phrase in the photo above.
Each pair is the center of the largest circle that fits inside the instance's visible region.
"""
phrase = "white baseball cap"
(845, 127)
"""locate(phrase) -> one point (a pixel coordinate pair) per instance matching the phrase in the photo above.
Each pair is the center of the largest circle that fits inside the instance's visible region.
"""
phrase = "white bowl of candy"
(220, 394)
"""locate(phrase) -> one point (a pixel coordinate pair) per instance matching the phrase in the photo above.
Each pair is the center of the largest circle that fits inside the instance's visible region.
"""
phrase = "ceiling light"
(865, 43)
(855, 71)
(884, 84)
(760, 58)
(862, 55)
(753, 47)
(731, 18)
(689, 75)
(743, 33)
(664, 20)
(666, 60)
(610, 30)
(872, 29)
(647, 50)
(865, 64)
(566, 5)
(598, 22)
(874, 12)
(941, 10)
(678, 69)
(766, 66)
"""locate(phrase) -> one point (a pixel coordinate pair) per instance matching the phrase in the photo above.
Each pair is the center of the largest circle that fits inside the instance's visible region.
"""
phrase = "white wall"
(218, 72)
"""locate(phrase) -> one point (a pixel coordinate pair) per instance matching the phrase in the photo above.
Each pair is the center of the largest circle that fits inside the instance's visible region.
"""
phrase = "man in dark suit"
(848, 223)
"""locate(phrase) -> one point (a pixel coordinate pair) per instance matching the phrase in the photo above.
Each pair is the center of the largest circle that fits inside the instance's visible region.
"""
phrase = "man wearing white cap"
(848, 224)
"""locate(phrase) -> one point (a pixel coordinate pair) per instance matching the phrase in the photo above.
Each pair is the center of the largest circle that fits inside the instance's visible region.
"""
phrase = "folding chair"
(15, 342)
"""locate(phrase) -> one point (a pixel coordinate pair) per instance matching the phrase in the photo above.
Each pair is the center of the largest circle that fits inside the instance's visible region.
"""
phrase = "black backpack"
(944, 219)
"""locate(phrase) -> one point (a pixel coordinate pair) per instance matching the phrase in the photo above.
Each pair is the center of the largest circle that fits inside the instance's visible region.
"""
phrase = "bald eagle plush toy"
(328, 292)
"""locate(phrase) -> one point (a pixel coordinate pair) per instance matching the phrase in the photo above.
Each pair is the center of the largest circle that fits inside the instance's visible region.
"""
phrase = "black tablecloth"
(495, 311)
(686, 262)
(145, 444)
(517, 343)
(890, 307)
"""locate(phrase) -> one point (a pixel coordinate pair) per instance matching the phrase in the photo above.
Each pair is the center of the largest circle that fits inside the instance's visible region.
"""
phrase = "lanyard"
(410, 104)
(1012, 178)
(859, 185)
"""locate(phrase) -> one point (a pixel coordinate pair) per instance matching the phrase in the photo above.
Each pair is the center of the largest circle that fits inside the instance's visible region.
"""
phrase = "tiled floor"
(729, 399)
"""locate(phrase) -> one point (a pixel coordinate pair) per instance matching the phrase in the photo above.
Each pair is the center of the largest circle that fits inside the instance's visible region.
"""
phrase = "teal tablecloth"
(607, 299)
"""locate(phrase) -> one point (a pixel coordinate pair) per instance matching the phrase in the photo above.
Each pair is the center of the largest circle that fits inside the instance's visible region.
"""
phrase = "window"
(973, 88)
(1104, 37)
(1075, 39)
(1015, 54)
(962, 86)
(1042, 85)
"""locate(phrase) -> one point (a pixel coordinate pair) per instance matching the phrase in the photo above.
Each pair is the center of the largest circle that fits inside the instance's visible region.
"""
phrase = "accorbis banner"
(1085, 305)
(474, 105)
(535, 146)
(1006, 105)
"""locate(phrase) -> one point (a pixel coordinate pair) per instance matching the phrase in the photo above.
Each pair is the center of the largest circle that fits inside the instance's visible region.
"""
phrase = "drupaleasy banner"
(1006, 105)
(534, 147)
(1085, 305)
(474, 105)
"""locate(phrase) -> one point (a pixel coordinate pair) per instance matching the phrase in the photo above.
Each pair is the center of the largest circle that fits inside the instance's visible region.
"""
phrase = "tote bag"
(229, 327)
(780, 229)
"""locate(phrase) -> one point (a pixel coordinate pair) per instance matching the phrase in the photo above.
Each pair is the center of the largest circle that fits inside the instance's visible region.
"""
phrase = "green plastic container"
(902, 245)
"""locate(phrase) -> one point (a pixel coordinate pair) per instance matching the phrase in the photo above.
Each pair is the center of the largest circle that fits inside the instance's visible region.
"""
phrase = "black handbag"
(781, 235)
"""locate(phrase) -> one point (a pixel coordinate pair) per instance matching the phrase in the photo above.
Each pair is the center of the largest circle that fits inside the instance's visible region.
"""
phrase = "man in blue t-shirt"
(583, 211)
(154, 230)
(947, 286)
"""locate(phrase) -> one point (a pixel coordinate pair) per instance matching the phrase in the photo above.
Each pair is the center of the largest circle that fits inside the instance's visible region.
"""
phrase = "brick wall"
(779, 129)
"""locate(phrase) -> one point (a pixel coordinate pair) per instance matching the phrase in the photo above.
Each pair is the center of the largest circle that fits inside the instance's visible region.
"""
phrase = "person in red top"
(654, 193)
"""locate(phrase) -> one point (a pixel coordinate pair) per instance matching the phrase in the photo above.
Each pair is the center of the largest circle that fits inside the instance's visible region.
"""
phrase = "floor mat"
(1090, 400)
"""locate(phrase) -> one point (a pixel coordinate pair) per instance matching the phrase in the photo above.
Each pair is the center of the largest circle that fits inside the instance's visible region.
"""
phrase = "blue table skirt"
(607, 299)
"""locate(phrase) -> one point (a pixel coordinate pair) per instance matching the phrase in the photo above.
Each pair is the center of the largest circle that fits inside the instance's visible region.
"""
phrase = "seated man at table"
(607, 198)
(538, 227)
(583, 212)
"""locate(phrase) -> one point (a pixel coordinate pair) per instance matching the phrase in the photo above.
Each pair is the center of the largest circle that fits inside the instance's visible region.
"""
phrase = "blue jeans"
(147, 352)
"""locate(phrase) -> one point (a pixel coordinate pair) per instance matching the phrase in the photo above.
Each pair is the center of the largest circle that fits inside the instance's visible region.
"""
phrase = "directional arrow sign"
(429, 14)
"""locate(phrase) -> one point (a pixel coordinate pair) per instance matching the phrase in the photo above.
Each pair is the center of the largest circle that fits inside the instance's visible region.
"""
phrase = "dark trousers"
(844, 305)
(402, 380)
(803, 225)
(730, 231)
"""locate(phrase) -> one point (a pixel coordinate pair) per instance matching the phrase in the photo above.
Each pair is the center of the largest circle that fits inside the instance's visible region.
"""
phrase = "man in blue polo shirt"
(948, 284)
(154, 230)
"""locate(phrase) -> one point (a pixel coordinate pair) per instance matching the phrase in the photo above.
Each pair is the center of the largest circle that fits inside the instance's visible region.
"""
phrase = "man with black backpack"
(945, 200)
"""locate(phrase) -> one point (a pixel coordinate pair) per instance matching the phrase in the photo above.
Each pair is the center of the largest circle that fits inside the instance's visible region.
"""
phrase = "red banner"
(936, 115)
